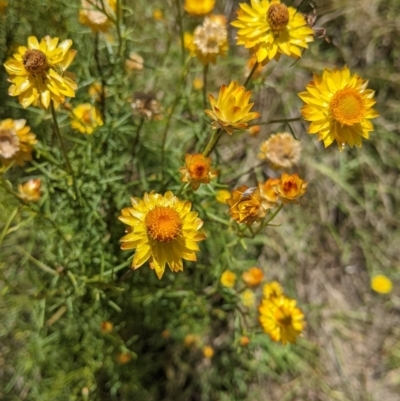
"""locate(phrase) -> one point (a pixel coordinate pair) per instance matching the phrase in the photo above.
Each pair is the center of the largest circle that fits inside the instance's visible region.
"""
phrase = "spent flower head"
(270, 29)
(96, 14)
(281, 150)
(339, 106)
(146, 104)
(16, 142)
(38, 72)
(163, 230)
(231, 110)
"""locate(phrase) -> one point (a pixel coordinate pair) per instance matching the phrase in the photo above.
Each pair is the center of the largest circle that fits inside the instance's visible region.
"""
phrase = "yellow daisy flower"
(197, 170)
(228, 279)
(209, 41)
(339, 106)
(199, 7)
(281, 319)
(86, 118)
(16, 142)
(281, 150)
(231, 110)
(163, 231)
(272, 290)
(92, 14)
(270, 28)
(222, 195)
(30, 190)
(38, 72)
(381, 284)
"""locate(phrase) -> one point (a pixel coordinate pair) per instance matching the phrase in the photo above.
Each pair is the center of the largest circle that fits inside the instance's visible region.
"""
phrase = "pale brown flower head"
(253, 276)
(268, 193)
(197, 170)
(30, 190)
(16, 142)
(147, 105)
(134, 62)
(92, 14)
(210, 40)
(290, 188)
(246, 205)
(281, 150)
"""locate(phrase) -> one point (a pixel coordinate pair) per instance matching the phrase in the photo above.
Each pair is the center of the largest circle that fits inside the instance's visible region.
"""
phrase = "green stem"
(205, 72)
(118, 25)
(251, 74)
(284, 120)
(213, 142)
(179, 11)
(64, 150)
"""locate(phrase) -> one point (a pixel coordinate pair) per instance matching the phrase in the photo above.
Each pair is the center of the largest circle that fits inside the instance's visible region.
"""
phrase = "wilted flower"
(231, 110)
(222, 196)
(253, 276)
(228, 279)
(95, 16)
(281, 319)
(106, 327)
(208, 352)
(281, 150)
(16, 142)
(197, 170)
(248, 298)
(86, 118)
(271, 28)
(339, 106)
(209, 41)
(147, 105)
(246, 205)
(199, 7)
(272, 290)
(381, 284)
(30, 190)
(290, 187)
(268, 192)
(134, 62)
(38, 73)
(164, 231)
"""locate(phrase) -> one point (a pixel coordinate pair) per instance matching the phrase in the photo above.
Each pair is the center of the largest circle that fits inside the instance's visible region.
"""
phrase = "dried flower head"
(290, 188)
(147, 105)
(381, 284)
(228, 279)
(38, 73)
(163, 230)
(231, 110)
(134, 62)
(339, 106)
(30, 191)
(199, 7)
(210, 40)
(281, 319)
(246, 205)
(16, 142)
(95, 14)
(253, 276)
(281, 150)
(85, 118)
(197, 170)
(271, 28)
(268, 192)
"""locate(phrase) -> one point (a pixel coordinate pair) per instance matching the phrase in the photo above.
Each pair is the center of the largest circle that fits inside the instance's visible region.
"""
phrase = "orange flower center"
(347, 106)
(282, 318)
(278, 17)
(35, 61)
(290, 186)
(9, 143)
(197, 170)
(163, 224)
